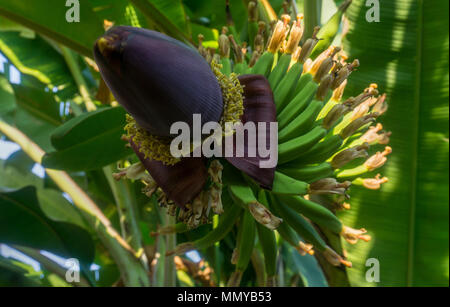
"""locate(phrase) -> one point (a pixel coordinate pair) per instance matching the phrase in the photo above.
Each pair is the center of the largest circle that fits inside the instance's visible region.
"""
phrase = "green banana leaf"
(407, 54)
(49, 18)
(44, 63)
(89, 141)
(34, 229)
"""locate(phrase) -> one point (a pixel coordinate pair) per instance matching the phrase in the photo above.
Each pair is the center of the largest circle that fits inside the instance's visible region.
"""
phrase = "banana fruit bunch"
(323, 147)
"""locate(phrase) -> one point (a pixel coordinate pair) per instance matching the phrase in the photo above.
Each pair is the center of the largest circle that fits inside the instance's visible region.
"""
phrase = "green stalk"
(50, 265)
(70, 59)
(312, 10)
(132, 272)
(170, 272)
(294, 7)
(128, 216)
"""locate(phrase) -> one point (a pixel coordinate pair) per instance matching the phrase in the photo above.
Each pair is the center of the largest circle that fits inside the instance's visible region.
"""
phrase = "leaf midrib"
(414, 177)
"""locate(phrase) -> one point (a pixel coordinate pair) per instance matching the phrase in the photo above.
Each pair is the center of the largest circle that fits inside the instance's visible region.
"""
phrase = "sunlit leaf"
(406, 53)
(49, 18)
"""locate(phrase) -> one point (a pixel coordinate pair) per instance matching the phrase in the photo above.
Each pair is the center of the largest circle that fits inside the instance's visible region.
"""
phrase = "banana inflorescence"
(324, 145)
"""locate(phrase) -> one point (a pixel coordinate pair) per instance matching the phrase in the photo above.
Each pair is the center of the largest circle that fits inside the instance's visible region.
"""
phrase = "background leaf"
(406, 53)
(49, 18)
(89, 141)
(23, 223)
(44, 63)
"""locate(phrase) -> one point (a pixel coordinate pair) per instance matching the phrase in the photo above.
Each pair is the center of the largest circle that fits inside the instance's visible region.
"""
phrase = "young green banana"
(297, 105)
(310, 173)
(307, 231)
(301, 226)
(292, 238)
(285, 185)
(243, 194)
(269, 245)
(287, 85)
(290, 150)
(328, 32)
(321, 151)
(264, 64)
(302, 123)
(280, 70)
(226, 66)
(315, 212)
(244, 249)
(240, 68)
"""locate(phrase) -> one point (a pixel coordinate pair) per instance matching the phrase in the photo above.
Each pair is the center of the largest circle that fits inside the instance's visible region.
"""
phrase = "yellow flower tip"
(278, 36)
(286, 19)
(372, 135)
(319, 60)
(346, 206)
(295, 55)
(295, 36)
(375, 183)
(107, 24)
(378, 159)
(304, 249)
(355, 64)
(352, 236)
(105, 44)
(364, 108)
(326, 66)
(307, 65)
(339, 91)
(346, 263)
(381, 105)
(334, 259)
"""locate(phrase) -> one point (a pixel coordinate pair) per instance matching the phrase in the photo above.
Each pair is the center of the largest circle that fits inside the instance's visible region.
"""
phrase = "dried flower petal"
(352, 236)
(378, 160)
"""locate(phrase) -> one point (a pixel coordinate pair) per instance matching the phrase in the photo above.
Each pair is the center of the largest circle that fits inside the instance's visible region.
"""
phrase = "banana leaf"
(407, 54)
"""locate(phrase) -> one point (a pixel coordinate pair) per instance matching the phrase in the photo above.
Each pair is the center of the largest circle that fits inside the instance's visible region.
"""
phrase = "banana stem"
(78, 77)
(128, 217)
(170, 272)
(132, 271)
(312, 10)
(50, 265)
